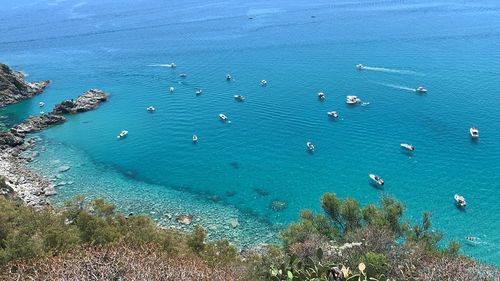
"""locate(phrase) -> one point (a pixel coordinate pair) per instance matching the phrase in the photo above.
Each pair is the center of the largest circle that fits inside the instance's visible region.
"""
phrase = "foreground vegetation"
(90, 241)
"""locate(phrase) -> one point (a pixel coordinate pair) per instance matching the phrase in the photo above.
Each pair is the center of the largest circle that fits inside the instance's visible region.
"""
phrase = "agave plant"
(314, 269)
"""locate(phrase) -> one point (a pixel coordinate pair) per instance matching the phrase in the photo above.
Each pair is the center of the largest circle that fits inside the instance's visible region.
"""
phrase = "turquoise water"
(237, 169)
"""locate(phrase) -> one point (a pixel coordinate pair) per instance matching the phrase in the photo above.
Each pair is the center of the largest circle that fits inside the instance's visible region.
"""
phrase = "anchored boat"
(376, 179)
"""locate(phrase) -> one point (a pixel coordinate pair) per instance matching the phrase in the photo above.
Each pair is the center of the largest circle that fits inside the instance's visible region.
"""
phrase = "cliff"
(14, 88)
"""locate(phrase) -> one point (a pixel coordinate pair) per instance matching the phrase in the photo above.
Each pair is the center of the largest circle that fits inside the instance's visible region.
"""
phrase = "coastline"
(25, 184)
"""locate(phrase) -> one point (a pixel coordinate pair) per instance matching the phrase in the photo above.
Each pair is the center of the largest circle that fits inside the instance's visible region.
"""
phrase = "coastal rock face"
(37, 123)
(14, 88)
(85, 102)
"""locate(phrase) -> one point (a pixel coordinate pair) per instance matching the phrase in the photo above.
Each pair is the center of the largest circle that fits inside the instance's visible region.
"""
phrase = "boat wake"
(161, 65)
(399, 87)
(390, 70)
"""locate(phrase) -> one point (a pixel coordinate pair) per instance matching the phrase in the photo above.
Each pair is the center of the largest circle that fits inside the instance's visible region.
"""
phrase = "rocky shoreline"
(13, 87)
(26, 185)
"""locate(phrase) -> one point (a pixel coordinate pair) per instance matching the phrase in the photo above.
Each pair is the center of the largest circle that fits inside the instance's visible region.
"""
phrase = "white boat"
(41, 104)
(360, 66)
(223, 117)
(239, 97)
(183, 75)
(408, 146)
(321, 95)
(151, 108)
(172, 89)
(263, 83)
(421, 90)
(198, 92)
(172, 65)
(474, 132)
(376, 179)
(122, 134)
(310, 146)
(460, 200)
(333, 114)
(229, 77)
(352, 100)
(195, 138)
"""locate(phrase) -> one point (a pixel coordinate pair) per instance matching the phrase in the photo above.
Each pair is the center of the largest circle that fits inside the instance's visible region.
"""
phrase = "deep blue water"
(300, 48)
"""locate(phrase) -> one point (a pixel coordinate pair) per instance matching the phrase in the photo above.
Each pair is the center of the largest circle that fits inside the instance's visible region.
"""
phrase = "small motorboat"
(172, 89)
(310, 146)
(263, 83)
(333, 114)
(229, 77)
(198, 92)
(223, 117)
(352, 100)
(239, 97)
(376, 179)
(195, 138)
(151, 109)
(460, 200)
(360, 66)
(41, 104)
(321, 96)
(474, 132)
(183, 75)
(122, 134)
(421, 90)
(172, 65)
(408, 146)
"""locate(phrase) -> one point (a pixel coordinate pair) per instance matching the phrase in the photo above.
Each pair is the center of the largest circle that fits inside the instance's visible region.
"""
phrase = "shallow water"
(300, 48)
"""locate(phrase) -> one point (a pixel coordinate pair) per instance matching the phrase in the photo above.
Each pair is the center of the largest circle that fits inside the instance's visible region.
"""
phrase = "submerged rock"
(63, 169)
(278, 205)
(234, 222)
(261, 191)
(185, 219)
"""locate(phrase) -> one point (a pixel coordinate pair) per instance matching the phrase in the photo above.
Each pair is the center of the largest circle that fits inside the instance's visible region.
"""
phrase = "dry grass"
(118, 263)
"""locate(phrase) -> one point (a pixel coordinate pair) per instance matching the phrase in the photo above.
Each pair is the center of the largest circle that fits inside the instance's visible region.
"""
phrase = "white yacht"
(151, 109)
(352, 100)
(172, 89)
(223, 117)
(195, 138)
(376, 179)
(122, 134)
(321, 95)
(408, 146)
(333, 114)
(421, 90)
(263, 83)
(183, 75)
(198, 92)
(474, 132)
(41, 104)
(229, 77)
(172, 65)
(460, 200)
(360, 66)
(310, 146)
(239, 97)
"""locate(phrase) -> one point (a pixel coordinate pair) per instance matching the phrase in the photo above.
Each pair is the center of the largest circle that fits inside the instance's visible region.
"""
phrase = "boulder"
(185, 219)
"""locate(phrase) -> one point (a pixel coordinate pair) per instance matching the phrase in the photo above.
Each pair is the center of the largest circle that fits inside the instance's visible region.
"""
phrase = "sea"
(245, 179)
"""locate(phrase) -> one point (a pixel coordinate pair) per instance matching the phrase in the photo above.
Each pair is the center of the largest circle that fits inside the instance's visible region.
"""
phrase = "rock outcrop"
(85, 102)
(24, 183)
(14, 88)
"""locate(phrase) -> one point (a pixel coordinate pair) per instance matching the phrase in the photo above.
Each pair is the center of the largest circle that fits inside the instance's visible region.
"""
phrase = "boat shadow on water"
(376, 186)
(461, 209)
